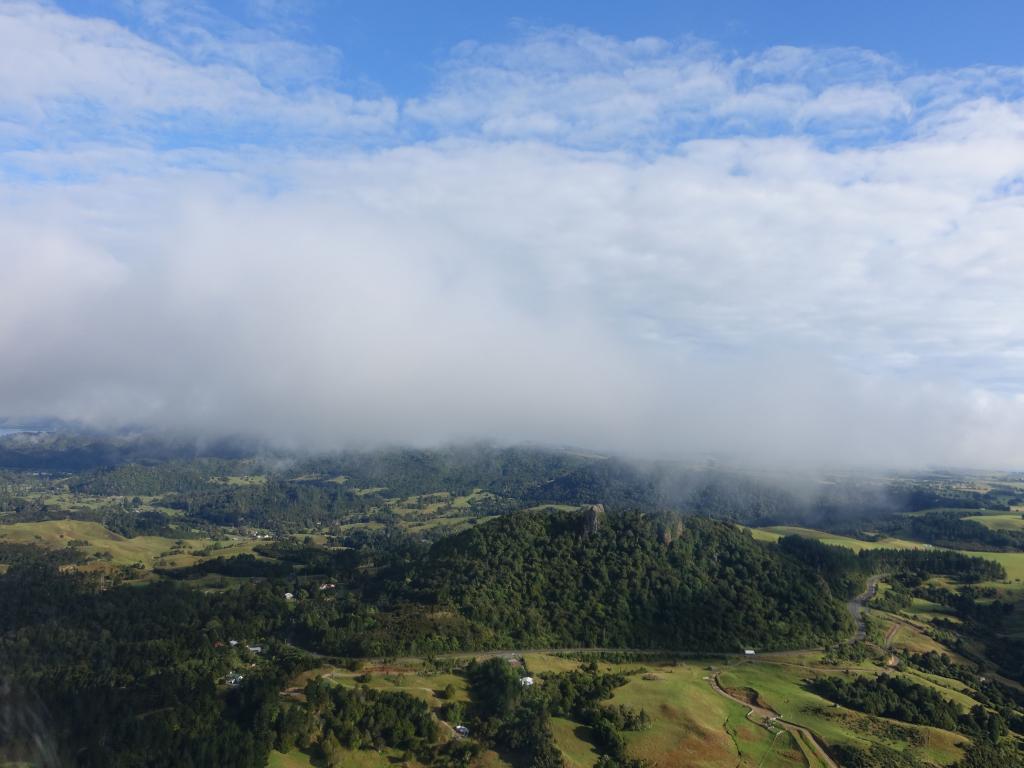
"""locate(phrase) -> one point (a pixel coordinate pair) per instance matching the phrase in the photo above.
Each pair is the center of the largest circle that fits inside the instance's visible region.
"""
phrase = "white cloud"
(643, 245)
(92, 78)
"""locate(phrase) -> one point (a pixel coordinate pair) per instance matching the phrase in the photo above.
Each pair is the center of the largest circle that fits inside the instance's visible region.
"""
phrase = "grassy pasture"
(293, 759)
(776, 532)
(781, 687)
(56, 534)
(1001, 522)
(690, 723)
(575, 743)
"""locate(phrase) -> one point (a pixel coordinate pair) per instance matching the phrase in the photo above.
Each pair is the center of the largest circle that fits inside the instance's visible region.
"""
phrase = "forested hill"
(550, 579)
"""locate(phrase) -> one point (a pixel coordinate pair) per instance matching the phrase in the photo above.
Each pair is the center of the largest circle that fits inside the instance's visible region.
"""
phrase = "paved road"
(856, 606)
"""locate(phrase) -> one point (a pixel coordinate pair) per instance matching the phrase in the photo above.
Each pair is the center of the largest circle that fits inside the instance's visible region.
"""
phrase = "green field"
(148, 550)
(294, 759)
(1001, 522)
(781, 687)
(776, 532)
(691, 724)
(575, 743)
(352, 758)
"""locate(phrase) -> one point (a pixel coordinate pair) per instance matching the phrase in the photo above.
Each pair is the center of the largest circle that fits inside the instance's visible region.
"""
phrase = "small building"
(255, 648)
(526, 681)
(234, 678)
(289, 596)
(748, 652)
(462, 730)
(232, 643)
(326, 586)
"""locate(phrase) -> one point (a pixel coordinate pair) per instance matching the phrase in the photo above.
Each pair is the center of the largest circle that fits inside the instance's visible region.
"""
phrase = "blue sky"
(396, 44)
(762, 230)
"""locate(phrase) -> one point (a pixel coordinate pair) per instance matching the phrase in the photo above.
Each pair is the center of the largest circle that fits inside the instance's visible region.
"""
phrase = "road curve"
(856, 607)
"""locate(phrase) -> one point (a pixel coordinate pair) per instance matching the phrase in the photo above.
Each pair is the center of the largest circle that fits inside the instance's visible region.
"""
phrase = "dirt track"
(767, 718)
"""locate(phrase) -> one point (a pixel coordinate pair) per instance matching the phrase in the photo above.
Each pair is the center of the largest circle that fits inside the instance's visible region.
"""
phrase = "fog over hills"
(654, 247)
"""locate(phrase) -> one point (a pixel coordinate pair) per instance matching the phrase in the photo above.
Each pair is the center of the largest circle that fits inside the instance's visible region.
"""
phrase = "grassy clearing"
(776, 532)
(926, 610)
(575, 743)
(148, 550)
(1013, 562)
(455, 523)
(424, 686)
(352, 758)
(369, 491)
(241, 480)
(690, 724)
(293, 759)
(558, 507)
(1001, 522)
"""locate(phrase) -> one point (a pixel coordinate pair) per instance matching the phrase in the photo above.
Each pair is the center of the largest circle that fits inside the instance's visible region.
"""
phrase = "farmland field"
(775, 532)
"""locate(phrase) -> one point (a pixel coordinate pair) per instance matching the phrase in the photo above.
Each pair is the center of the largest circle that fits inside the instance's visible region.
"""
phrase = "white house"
(289, 596)
(526, 681)
(748, 652)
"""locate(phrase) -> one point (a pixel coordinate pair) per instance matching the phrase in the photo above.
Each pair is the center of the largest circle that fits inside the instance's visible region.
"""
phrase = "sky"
(777, 232)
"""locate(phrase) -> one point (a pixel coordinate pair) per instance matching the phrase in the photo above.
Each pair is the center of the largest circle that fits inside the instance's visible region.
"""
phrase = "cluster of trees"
(336, 718)
(900, 699)
(517, 717)
(245, 566)
(278, 503)
(845, 570)
(950, 528)
(897, 598)
(980, 754)
(152, 479)
(541, 579)
(126, 676)
(16, 554)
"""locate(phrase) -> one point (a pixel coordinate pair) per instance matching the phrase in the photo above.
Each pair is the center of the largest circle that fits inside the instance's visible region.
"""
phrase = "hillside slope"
(558, 578)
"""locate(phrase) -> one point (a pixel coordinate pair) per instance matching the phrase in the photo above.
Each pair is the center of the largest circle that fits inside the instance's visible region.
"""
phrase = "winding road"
(770, 719)
(856, 606)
